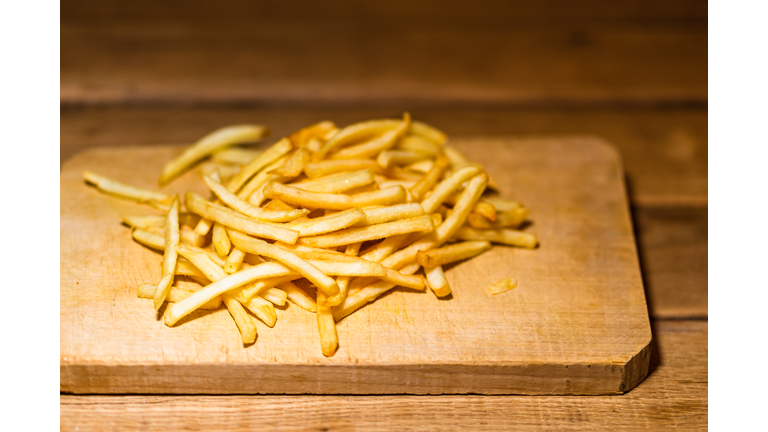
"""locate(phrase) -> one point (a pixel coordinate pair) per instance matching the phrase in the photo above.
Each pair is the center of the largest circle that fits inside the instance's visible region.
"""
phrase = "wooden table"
(145, 73)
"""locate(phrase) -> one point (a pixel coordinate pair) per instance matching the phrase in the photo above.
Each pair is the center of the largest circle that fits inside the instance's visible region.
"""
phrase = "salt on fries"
(351, 211)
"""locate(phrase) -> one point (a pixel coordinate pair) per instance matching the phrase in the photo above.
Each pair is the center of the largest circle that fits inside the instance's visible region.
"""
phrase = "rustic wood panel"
(391, 54)
(673, 396)
(577, 324)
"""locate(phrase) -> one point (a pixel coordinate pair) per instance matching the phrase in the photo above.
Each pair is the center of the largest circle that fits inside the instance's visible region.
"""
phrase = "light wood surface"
(674, 396)
(577, 324)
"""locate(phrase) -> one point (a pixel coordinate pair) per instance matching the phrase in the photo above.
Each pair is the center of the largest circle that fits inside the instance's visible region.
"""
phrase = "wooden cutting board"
(576, 324)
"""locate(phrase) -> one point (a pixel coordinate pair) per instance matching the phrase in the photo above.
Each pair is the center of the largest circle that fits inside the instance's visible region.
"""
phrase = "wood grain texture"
(246, 52)
(674, 396)
(581, 289)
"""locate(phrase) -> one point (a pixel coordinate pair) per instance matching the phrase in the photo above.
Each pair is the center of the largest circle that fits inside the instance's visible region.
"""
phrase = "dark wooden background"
(633, 72)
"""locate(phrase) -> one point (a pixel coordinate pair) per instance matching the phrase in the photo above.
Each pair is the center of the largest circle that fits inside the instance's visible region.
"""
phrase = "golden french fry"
(376, 145)
(426, 131)
(407, 184)
(305, 198)
(187, 237)
(357, 132)
(302, 137)
(236, 156)
(275, 296)
(254, 289)
(337, 183)
(122, 190)
(183, 308)
(503, 285)
(277, 205)
(357, 268)
(186, 268)
(372, 232)
(507, 219)
(298, 296)
(326, 325)
(503, 205)
(419, 144)
(329, 223)
(343, 281)
(429, 180)
(247, 209)
(235, 258)
(436, 281)
(485, 209)
(176, 294)
(275, 152)
(263, 309)
(395, 212)
(294, 166)
(422, 167)
(209, 144)
(388, 158)
(260, 247)
(231, 219)
(308, 252)
(503, 236)
(243, 321)
(318, 169)
(368, 294)
(251, 190)
(451, 253)
(170, 256)
(446, 187)
(221, 243)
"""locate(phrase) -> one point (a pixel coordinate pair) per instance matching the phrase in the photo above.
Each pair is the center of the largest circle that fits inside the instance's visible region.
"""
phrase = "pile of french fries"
(328, 218)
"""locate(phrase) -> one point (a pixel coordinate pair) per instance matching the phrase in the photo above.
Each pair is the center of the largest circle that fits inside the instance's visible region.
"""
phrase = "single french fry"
(275, 296)
(302, 137)
(446, 187)
(451, 253)
(221, 242)
(294, 166)
(304, 198)
(170, 256)
(419, 144)
(378, 144)
(426, 131)
(251, 190)
(176, 294)
(343, 281)
(372, 232)
(247, 209)
(357, 268)
(357, 132)
(255, 288)
(368, 294)
(235, 220)
(502, 286)
(395, 212)
(260, 247)
(502, 236)
(263, 309)
(298, 296)
(209, 144)
(388, 158)
(326, 224)
(277, 205)
(337, 183)
(407, 184)
(183, 308)
(422, 167)
(122, 190)
(485, 209)
(429, 180)
(236, 156)
(235, 258)
(326, 325)
(270, 155)
(507, 219)
(318, 169)
(503, 205)
(308, 252)
(243, 321)
(436, 281)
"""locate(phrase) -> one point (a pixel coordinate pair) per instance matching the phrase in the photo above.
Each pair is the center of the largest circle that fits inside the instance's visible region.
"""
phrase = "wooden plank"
(664, 151)
(499, 54)
(674, 396)
(674, 257)
(582, 288)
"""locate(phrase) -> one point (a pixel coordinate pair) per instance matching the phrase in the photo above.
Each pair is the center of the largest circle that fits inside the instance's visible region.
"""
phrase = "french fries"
(209, 144)
(328, 219)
